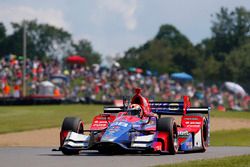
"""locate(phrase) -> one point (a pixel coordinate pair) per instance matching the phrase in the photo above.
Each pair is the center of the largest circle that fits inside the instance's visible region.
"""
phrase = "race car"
(140, 126)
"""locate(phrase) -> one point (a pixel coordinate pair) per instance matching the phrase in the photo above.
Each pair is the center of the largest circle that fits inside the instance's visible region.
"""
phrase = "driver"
(136, 109)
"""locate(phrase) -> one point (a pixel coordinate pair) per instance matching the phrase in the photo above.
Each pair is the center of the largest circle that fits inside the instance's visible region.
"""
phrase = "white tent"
(47, 84)
(46, 88)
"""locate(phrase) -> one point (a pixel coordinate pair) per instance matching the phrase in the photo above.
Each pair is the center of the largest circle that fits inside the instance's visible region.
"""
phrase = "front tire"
(71, 124)
(169, 125)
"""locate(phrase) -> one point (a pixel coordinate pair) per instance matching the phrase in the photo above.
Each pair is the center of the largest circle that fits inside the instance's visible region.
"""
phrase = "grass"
(235, 161)
(231, 138)
(230, 114)
(21, 118)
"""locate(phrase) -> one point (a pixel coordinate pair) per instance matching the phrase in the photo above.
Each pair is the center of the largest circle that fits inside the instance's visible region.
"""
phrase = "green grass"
(231, 114)
(236, 161)
(231, 138)
(21, 118)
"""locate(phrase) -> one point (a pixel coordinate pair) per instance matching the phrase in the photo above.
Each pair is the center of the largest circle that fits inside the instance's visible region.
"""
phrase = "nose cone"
(117, 132)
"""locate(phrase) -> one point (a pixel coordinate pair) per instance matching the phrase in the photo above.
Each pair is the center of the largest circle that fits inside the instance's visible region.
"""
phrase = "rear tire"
(169, 125)
(204, 134)
(72, 124)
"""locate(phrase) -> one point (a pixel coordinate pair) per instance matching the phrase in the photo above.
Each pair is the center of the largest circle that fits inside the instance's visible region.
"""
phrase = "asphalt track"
(44, 157)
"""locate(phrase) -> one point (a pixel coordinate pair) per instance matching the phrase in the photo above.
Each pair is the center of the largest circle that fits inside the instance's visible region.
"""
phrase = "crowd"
(98, 83)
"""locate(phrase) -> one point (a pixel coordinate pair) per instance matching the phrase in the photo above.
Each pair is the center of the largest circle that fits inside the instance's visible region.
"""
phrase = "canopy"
(181, 76)
(75, 59)
(116, 64)
(235, 88)
(47, 84)
(148, 73)
(137, 70)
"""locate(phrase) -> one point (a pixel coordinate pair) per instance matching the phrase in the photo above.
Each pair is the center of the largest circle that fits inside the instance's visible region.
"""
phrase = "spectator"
(98, 83)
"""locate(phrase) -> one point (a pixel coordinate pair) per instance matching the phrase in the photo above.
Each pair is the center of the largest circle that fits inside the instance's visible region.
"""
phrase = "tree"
(237, 64)
(2, 32)
(168, 52)
(230, 30)
(84, 48)
(2, 37)
(42, 40)
(171, 36)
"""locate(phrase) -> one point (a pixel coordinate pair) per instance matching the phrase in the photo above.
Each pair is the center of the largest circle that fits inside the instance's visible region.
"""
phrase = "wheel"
(169, 125)
(72, 124)
(204, 131)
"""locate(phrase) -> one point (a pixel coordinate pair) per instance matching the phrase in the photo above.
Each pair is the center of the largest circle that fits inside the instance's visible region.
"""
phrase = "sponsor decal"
(113, 129)
(189, 144)
(193, 123)
(99, 125)
(149, 126)
(191, 119)
(183, 133)
(100, 122)
(136, 126)
(123, 124)
(102, 118)
(193, 126)
(173, 106)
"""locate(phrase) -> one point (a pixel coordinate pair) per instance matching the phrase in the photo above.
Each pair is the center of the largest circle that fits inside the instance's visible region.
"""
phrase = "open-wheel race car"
(139, 126)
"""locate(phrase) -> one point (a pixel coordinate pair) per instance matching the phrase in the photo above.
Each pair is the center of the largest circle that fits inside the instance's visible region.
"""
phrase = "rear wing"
(177, 108)
(165, 108)
(180, 108)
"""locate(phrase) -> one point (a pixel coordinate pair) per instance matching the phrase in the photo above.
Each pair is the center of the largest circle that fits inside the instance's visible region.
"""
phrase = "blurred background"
(98, 51)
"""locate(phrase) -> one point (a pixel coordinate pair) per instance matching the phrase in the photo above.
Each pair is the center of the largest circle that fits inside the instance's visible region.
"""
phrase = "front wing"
(75, 141)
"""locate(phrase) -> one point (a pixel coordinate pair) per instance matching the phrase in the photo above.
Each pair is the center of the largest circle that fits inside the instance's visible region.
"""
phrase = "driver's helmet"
(135, 109)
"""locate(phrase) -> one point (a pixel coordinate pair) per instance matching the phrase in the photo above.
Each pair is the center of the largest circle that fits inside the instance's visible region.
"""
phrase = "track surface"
(43, 157)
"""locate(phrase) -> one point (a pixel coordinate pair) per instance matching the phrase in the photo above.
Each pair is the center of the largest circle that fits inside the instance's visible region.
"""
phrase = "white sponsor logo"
(183, 133)
(124, 124)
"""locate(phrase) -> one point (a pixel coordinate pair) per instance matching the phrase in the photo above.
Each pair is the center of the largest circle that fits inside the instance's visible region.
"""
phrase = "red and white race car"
(139, 126)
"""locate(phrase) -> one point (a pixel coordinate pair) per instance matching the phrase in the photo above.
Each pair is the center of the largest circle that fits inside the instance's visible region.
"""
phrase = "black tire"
(169, 125)
(204, 131)
(72, 124)
(67, 151)
(110, 152)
